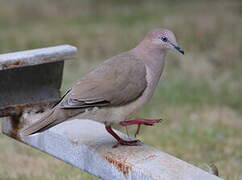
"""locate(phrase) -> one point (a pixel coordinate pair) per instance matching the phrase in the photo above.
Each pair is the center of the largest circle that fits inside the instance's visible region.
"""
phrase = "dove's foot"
(139, 122)
(120, 141)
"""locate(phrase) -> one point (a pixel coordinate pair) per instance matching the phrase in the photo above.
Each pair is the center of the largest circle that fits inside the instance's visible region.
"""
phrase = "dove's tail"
(48, 120)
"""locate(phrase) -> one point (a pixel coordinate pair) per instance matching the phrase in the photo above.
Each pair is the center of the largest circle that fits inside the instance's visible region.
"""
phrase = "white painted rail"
(37, 56)
(86, 145)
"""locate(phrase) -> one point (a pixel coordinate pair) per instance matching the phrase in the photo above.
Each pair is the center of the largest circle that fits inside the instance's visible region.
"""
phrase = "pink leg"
(147, 122)
(120, 141)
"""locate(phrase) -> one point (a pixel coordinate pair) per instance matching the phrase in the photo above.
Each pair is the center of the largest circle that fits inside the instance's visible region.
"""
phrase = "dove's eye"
(164, 39)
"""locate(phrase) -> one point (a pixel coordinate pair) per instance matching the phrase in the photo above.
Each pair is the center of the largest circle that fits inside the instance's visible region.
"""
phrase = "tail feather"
(45, 121)
(53, 117)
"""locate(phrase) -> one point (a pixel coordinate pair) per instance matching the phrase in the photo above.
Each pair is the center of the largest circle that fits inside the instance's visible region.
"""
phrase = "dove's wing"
(117, 81)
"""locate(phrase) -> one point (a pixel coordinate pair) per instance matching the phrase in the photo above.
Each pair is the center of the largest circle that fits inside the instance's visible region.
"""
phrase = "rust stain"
(121, 164)
(15, 126)
(16, 110)
(13, 64)
(15, 113)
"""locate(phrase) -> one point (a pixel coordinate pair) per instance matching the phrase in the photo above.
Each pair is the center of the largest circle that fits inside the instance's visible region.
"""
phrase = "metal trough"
(31, 77)
(30, 83)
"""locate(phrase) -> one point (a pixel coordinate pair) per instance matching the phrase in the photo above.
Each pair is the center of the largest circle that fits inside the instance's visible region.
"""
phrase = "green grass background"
(199, 96)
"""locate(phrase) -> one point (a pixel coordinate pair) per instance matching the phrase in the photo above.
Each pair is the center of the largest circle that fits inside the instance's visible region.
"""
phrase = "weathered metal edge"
(85, 145)
(18, 109)
(37, 56)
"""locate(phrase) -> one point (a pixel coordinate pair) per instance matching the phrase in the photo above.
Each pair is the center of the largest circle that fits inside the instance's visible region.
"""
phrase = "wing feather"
(117, 81)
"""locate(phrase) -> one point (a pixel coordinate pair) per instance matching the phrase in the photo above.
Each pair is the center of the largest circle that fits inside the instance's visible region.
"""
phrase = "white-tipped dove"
(116, 89)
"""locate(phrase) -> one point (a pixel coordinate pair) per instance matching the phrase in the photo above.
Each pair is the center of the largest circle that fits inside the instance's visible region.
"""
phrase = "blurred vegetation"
(199, 97)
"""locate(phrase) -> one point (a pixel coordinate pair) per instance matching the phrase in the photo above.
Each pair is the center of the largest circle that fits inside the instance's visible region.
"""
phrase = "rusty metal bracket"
(31, 78)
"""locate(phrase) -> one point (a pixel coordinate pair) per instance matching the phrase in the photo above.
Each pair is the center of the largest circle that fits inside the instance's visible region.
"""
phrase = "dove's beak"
(177, 48)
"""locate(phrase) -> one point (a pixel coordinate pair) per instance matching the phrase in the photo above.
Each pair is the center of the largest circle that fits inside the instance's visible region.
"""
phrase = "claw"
(137, 130)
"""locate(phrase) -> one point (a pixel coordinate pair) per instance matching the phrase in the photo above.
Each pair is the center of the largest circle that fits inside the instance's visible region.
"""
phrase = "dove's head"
(163, 39)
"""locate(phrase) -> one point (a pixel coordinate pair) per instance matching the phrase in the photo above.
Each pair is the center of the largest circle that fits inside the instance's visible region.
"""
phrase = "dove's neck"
(152, 56)
(154, 60)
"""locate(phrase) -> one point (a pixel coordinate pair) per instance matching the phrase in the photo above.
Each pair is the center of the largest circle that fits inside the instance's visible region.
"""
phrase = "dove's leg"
(120, 141)
(139, 122)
